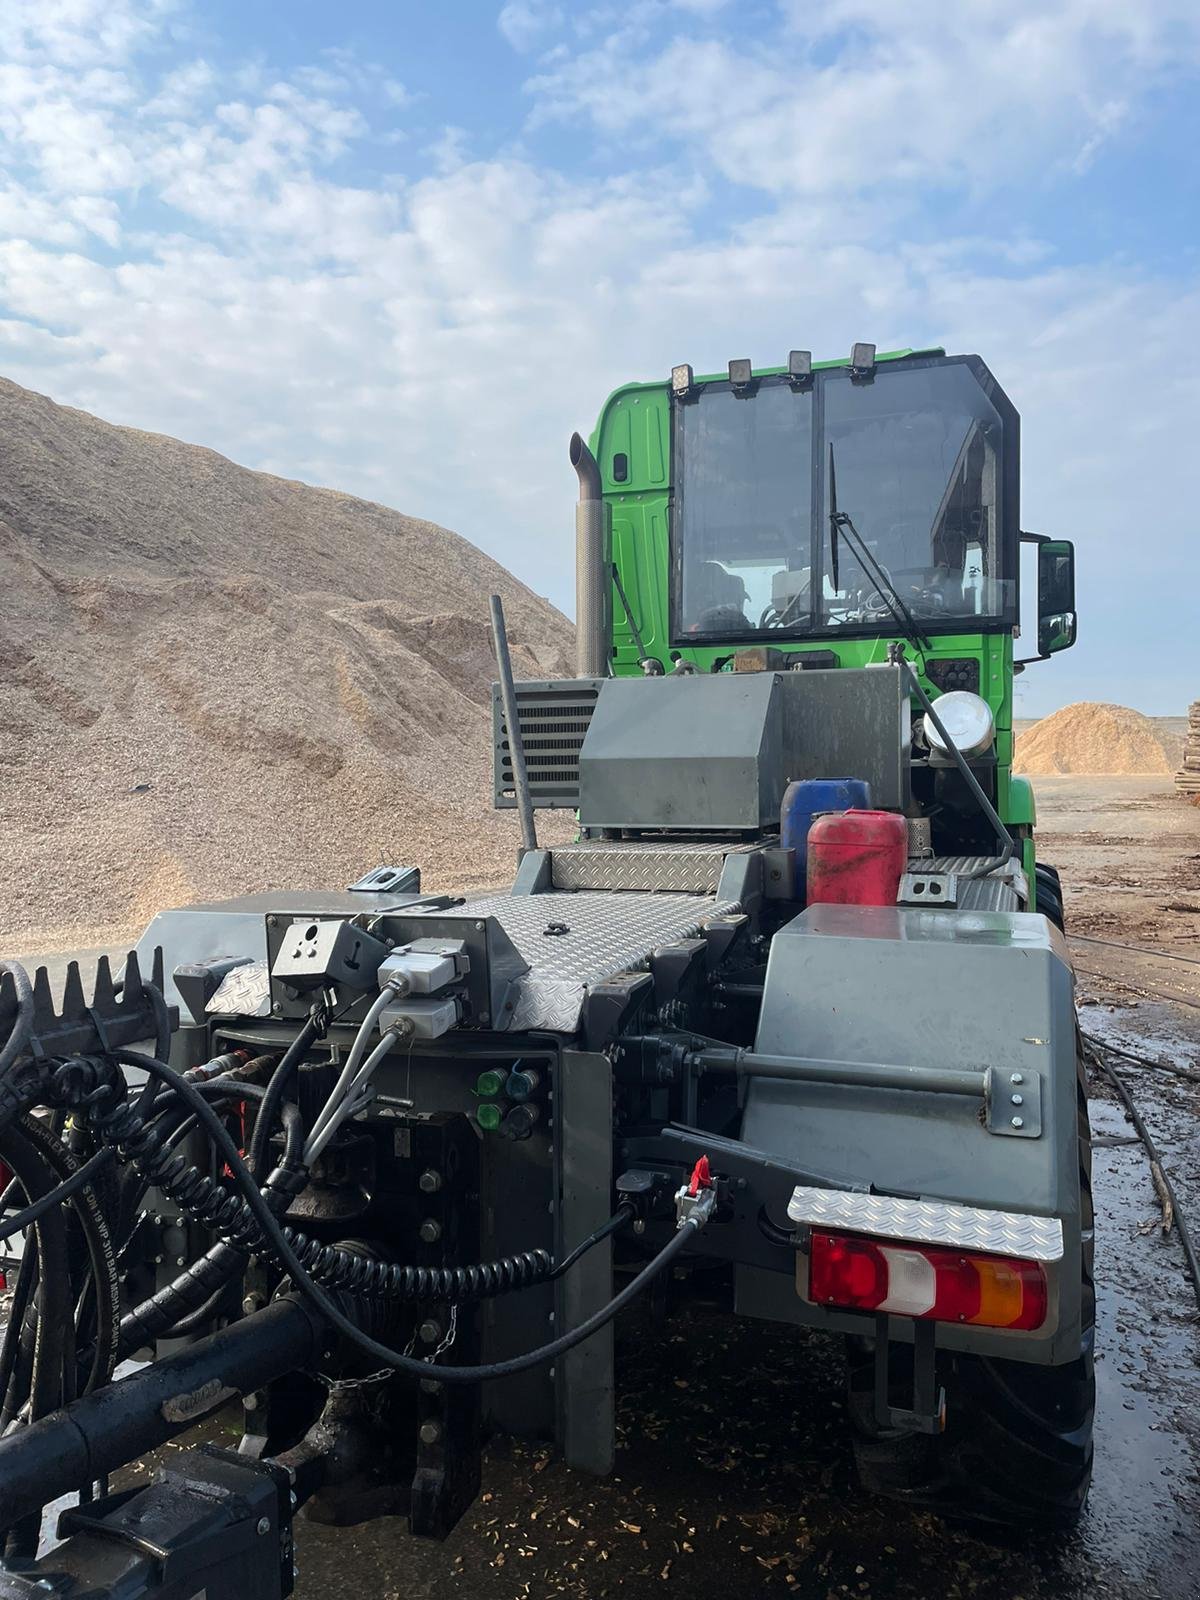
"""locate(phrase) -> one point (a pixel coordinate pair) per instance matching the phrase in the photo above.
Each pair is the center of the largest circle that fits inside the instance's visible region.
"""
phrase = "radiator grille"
(554, 718)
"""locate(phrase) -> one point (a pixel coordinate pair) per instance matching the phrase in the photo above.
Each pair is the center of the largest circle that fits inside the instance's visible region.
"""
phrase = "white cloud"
(527, 23)
(870, 93)
(181, 91)
(76, 33)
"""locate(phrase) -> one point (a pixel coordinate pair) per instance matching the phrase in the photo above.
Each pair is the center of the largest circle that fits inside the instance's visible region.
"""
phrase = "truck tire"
(1017, 1447)
(1049, 895)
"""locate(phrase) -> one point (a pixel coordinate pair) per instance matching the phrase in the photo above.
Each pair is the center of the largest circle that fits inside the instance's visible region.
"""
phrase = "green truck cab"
(825, 513)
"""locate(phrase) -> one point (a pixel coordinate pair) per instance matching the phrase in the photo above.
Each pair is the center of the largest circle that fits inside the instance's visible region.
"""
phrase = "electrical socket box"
(426, 965)
(421, 1017)
(316, 953)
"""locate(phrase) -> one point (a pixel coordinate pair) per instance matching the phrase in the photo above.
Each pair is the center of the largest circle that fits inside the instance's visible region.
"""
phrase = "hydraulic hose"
(201, 1287)
(251, 1223)
(49, 1333)
(46, 1351)
(277, 1088)
(28, 1215)
(23, 1025)
(97, 1238)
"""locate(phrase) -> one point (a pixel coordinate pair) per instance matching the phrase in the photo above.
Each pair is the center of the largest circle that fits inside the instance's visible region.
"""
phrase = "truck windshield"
(917, 456)
(743, 502)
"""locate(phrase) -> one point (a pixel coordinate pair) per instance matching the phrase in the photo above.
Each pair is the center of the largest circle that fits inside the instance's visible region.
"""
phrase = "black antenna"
(833, 522)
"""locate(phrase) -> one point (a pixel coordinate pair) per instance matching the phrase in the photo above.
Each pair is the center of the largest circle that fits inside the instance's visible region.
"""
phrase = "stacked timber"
(1187, 779)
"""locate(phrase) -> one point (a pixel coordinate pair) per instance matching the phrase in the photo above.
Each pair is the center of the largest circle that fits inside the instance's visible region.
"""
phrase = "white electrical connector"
(423, 1017)
(411, 971)
(408, 1007)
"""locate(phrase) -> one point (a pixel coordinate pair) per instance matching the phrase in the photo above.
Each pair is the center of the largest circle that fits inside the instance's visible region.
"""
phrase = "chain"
(447, 1338)
(340, 1385)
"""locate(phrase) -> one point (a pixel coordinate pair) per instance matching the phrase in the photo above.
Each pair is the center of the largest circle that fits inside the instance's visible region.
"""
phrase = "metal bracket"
(388, 880)
(1013, 1102)
(928, 1411)
(608, 1006)
(928, 890)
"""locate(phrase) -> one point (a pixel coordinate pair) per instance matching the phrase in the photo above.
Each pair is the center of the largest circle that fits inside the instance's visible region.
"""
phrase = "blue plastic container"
(808, 798)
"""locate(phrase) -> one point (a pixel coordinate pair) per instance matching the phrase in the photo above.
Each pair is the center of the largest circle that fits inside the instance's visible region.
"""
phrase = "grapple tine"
(74, 1003)
(43, 999)
(104, 996)
(133, 979)
(115, 1016)
(156, 971)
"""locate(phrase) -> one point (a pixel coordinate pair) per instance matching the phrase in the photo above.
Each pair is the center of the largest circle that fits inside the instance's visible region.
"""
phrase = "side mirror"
(1057, 619)
(1057, 622)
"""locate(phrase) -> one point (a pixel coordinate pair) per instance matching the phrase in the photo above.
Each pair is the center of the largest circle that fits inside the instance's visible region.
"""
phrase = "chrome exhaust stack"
(593, 568)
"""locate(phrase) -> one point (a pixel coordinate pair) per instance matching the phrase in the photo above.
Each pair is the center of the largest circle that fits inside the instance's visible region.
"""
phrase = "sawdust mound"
(1093, 737)
(218, 681)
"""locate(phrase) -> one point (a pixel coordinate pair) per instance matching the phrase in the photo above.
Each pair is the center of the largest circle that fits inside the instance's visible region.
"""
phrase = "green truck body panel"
(635, 423)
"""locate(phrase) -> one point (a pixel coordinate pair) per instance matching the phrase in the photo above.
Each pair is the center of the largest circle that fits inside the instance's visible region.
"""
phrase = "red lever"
(701, 1177)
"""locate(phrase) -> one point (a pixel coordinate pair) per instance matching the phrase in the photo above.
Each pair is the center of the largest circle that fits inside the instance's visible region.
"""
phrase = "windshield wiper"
(840, 523)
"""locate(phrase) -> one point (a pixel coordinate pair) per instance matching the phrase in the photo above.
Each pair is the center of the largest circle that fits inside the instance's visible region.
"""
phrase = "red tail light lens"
(915, 1280)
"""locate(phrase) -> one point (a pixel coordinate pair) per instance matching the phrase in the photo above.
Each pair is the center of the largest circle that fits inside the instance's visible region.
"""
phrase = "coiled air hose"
(226, 1213)
(250, 1221)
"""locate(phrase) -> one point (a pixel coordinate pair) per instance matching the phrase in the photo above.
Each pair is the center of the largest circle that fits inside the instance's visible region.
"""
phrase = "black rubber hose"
(622, 1215)
(23, 1025)
(335, 1268)
(20, 1220)
(221, 1302)
(53, 1302)
(98, 1241)
(162, 1020)
(275, 1240)
(277, 1088)
(22, 1293)
(53, 1333)
(179, 1307)
(170, 1115)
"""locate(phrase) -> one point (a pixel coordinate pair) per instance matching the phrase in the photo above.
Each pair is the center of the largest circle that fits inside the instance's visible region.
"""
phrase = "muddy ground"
(734, 1474)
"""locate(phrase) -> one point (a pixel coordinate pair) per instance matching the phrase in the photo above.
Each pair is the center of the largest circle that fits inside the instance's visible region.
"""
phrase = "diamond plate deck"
(1006, 890)
(643, 866)
(605, 934)
(1006, 1233)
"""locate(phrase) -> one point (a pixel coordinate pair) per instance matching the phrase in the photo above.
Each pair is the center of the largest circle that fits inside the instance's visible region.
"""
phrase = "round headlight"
(968, 720)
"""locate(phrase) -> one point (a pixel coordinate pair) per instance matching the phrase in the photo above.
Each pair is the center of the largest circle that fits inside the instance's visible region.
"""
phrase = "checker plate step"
(1005, 1233)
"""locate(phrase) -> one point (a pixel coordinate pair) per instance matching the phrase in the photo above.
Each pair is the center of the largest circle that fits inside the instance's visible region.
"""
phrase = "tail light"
(927, 1281)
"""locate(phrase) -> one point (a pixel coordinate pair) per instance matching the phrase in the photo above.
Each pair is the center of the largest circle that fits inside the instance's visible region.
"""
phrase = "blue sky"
(404, 249)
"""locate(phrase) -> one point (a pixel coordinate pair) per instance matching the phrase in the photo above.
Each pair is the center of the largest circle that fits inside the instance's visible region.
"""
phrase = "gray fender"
(954, 989)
